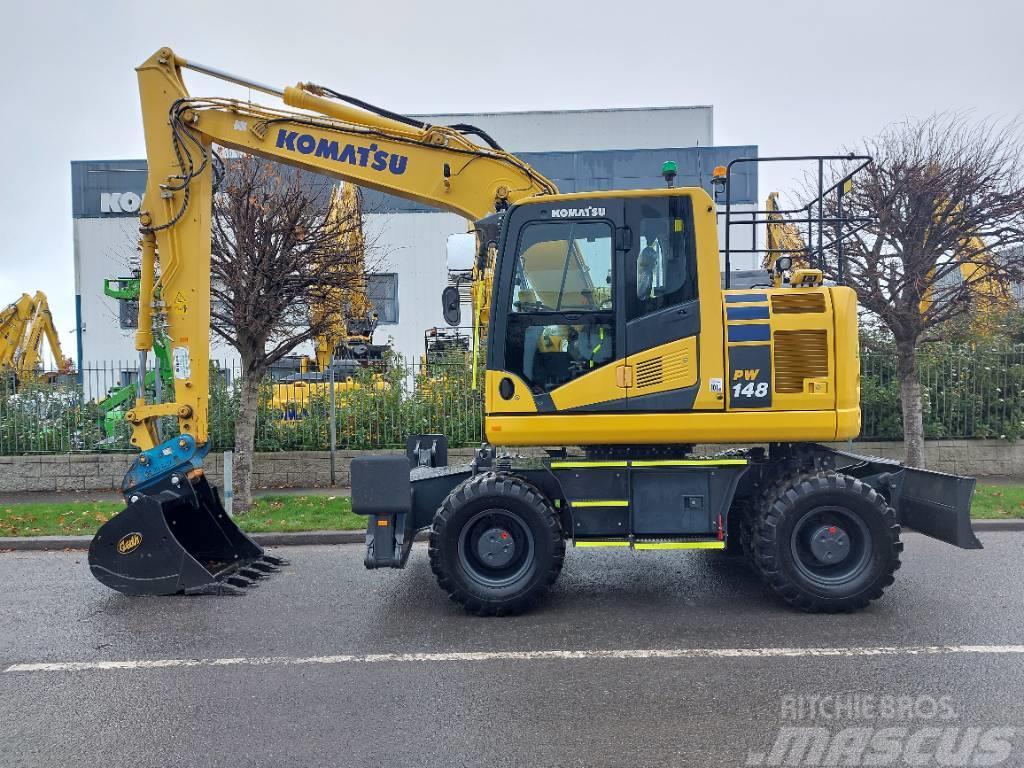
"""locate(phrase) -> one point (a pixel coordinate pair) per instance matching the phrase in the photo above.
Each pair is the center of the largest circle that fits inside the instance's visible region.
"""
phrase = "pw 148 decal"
(750, 371)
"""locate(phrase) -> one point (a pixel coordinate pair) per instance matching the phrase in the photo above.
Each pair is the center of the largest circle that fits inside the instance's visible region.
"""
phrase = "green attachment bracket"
(127, 288)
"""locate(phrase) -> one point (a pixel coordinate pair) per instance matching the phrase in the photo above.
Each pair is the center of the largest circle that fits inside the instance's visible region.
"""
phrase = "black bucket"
(177, 539)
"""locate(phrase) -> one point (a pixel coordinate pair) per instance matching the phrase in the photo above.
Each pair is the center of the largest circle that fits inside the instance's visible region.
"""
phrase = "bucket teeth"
(239, 581)
(272, 560)
(252, 573)
(259, 565)
(217, 588)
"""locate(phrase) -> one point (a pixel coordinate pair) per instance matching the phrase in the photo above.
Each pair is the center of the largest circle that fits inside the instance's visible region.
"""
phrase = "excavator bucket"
(177, 538)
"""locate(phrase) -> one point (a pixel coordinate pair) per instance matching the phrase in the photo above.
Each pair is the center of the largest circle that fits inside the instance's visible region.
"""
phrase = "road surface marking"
(458, 656)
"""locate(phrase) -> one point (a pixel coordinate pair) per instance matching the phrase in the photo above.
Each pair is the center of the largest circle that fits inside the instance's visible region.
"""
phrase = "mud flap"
(935, 504)
(175, 536)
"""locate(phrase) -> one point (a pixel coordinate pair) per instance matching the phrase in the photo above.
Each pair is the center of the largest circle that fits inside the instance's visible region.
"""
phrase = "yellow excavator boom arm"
(434, 165)
(23, 325)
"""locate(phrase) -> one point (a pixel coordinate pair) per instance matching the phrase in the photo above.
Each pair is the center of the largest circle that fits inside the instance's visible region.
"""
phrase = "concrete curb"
(998, 525)
(301, 538)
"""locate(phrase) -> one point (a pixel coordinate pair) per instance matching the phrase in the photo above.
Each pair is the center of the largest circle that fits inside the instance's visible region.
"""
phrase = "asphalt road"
(269, 704)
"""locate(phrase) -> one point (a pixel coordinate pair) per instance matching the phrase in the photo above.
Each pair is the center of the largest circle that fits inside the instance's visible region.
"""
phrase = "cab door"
(661, 304)
(558, 339)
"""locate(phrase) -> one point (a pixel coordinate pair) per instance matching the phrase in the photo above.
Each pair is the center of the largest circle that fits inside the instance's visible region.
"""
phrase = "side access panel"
(638, 498)
(673, 502)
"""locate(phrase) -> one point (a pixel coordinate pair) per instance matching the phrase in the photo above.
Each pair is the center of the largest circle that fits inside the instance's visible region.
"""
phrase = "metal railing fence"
(968, 392)
(375, 407)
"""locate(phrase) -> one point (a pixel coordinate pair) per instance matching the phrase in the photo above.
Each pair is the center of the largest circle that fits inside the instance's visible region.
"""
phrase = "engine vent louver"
(670, 370)
(799, 355)
(797, 303)
(649, 373)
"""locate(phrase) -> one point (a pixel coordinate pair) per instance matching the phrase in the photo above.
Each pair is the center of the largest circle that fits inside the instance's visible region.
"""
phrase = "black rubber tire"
(519, 498)
(772, 555)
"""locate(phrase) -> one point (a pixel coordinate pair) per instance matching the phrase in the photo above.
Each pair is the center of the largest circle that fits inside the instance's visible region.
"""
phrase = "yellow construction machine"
(613, 338)
(23, 325)
(348, 320)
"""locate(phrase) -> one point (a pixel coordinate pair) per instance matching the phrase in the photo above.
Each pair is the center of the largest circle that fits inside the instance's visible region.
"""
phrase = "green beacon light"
(669, 170)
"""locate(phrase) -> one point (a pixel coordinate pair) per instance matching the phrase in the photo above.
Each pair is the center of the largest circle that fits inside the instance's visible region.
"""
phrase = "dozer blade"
(174, 539)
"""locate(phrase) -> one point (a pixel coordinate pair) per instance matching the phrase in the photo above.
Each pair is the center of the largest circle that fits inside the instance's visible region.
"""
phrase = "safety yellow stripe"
(601, 543)
(692, 463)
(585, 464)
(602, 503)
(680, 545)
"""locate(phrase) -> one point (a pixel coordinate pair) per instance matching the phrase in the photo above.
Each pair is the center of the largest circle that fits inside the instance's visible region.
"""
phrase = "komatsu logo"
(365, 157)
(119, 202)
(574, 213)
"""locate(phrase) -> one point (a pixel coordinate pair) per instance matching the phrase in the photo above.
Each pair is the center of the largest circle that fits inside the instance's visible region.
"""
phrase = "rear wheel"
(826, 542)
(496, 544)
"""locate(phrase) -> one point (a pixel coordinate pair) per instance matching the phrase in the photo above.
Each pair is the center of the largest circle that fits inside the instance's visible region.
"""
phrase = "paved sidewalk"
(47, 497)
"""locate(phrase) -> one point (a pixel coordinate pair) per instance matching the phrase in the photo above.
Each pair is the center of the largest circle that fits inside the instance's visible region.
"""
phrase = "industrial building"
(579, 150)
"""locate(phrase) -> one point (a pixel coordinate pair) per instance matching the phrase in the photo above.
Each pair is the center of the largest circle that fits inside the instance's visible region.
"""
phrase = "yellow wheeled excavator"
(613, 338)
(23, 326)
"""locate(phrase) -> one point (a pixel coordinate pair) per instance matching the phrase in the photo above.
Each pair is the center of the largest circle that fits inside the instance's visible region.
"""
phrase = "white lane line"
(655, 653)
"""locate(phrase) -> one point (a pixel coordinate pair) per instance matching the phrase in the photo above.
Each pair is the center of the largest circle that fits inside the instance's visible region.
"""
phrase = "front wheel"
(826, 542)
(496, 544)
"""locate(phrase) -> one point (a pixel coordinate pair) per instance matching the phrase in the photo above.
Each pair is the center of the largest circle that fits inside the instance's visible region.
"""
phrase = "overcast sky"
(791, 77)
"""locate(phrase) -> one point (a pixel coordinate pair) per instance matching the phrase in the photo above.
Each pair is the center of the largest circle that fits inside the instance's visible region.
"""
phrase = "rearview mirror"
(451, 305)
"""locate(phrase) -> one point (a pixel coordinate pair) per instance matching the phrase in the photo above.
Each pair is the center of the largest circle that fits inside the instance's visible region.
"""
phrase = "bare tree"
(279, 255)
(948, 195)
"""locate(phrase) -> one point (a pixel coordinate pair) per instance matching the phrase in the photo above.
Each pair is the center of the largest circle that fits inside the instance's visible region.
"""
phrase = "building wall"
(600, 129)
(579, 150)
(295, 469)
(412, 245)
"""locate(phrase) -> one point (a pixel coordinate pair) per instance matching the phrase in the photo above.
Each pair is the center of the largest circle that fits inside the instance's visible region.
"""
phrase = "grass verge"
(998, 502)
(334, 513)
(269, 513)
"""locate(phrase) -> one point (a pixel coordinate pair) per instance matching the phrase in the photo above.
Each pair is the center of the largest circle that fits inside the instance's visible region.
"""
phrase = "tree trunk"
(910, 402)
(245, 439)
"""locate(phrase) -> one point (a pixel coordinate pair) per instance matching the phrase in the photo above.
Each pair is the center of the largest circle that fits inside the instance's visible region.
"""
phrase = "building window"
(382, 291)
(128, 313)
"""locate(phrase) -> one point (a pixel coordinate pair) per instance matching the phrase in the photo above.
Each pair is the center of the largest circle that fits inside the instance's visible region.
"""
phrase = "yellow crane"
(610, 340)
(23, 326)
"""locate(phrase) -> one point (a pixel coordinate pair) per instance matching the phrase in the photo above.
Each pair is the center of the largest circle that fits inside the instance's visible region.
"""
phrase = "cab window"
(664, 268)
(564, 267)
(561, 317)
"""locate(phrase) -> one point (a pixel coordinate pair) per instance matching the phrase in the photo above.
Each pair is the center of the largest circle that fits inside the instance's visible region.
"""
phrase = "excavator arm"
(14, 319)
(23, 325)
(435, 165)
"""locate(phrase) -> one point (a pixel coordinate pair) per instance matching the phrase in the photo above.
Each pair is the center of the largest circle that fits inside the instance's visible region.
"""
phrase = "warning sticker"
(180, 303)
(181, 362)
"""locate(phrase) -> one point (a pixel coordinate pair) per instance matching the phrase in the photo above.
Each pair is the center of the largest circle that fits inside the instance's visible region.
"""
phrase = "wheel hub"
(496, 547)
(830, 544)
